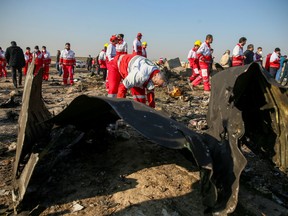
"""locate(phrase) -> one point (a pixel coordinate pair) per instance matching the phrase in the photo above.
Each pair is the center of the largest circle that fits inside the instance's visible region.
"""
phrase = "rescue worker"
(238, 54)
(194, 61)
(102, 61)
(267, 62)
(144, 46)
(121, 46)
(274, 62)
(46, 63)
(138, 74)
(204, 56)
(137, 45)
(38, 60)
(67, 62)
(28, 59)
(161, 61)
(3, 71)
(110, 54)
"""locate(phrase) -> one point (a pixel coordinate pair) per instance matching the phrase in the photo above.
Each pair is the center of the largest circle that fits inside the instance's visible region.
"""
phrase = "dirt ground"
(126, 175)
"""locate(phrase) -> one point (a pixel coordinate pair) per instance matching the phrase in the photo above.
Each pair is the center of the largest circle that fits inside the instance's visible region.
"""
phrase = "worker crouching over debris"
(138, 74)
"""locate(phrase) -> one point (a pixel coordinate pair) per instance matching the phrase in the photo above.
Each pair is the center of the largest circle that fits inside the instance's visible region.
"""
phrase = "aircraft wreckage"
(246, 107)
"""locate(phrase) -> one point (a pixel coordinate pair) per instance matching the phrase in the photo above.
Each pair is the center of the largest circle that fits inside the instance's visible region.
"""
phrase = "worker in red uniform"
(110, 54)
(204, 56)
(3, 63)
(38, 60)
(144, 46)
(274, 62)
(138, 74)
(238, 54)
(28, 59)
(102, 61)
(194, 61)
(137, 45)
(67, 62)
(46, 63)
(121, 46)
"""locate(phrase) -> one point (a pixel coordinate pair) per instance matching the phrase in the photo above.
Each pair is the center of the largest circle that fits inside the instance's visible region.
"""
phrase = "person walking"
(89, 63)
(279, 73)
(28, 60)
(225, 60)
(46, 63)
(274, 62)
(110, 54)
(58, 68)
(102, 61)
(194, 61)
(3, 71)
(249, 54)
(204, 56)
(238, 54)
(137, 74)
(67, 62)
(137, 45)
(15, 58)
(38, 60)
(258, 56)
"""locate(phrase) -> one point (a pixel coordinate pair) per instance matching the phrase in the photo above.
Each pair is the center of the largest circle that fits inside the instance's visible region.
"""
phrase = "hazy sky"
(169, 27)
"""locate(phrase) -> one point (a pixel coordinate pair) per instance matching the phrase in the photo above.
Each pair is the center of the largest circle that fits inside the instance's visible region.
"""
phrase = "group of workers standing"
(273, 64)
(122, 71)
(200, 57)
(18, 60)
(129, 71)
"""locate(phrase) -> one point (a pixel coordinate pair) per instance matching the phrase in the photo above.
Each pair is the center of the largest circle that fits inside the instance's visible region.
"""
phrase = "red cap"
(139, 34)
(113, 38)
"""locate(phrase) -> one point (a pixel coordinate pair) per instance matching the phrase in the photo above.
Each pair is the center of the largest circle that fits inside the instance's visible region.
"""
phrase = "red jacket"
(38, 56)
(267, 63)
(193, 59)
(274, 60)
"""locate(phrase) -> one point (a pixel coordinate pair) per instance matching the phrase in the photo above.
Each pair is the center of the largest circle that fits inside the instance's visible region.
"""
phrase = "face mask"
(260, 52)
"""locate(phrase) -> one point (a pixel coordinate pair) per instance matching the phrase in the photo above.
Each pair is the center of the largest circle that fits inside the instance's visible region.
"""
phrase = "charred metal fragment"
(232, 111)
(251, 107)
(209, 154)
(31, 127)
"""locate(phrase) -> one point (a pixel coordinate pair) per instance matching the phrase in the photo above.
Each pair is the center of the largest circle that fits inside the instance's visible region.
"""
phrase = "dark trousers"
(14, 75)
(104, 71)
(273, 71)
